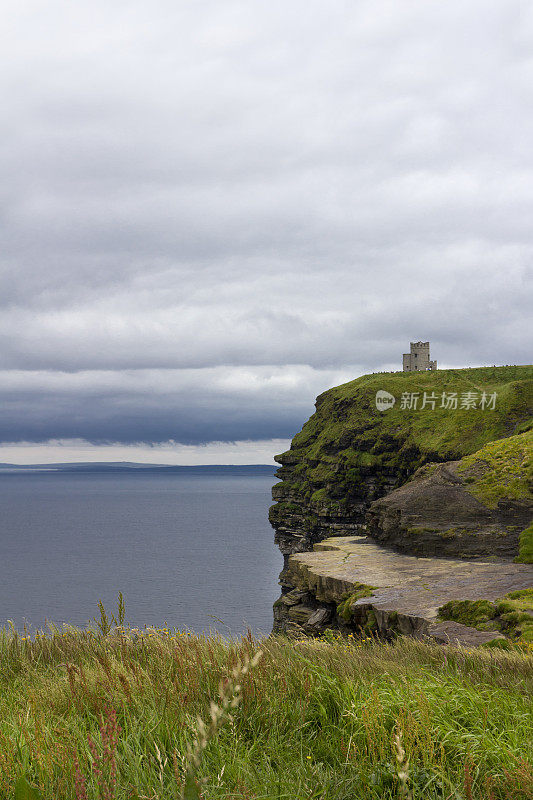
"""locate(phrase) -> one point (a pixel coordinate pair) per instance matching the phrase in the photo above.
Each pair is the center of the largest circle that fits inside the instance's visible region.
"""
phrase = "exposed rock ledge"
(468, 508)
(406, 591)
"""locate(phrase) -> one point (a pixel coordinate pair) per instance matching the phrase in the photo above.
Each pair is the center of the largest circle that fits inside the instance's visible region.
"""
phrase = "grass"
(94, 714)
(501, 470)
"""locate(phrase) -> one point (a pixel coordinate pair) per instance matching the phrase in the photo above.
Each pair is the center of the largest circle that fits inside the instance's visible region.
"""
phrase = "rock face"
(435, 514)
(351, 456)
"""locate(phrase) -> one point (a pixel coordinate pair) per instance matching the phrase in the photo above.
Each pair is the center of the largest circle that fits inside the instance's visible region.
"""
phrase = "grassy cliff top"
(439, 415)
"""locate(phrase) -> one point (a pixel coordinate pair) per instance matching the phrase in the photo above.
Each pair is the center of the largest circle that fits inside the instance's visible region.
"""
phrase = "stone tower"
(418, 359)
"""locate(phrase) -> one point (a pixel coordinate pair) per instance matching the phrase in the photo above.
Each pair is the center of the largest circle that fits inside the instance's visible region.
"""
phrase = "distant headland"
(129, 466)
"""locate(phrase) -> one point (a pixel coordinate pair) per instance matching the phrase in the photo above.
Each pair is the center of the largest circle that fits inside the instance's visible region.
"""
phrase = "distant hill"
(128, 466)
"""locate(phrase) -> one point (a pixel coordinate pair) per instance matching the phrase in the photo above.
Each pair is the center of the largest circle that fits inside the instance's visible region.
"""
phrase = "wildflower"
(80, 784)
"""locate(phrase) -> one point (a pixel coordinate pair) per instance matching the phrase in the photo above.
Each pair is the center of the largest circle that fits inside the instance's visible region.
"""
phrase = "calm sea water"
(195, 552)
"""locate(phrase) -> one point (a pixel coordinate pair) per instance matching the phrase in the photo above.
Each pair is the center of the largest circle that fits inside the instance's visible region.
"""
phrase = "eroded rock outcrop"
(477, 506)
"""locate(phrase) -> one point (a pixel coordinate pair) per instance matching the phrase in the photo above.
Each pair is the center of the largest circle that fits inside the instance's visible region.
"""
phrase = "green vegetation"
(511, 615)
(475, 613)
(348, 439)
(112, 715)
(344, 608)
(525, 554)
(501, 470)
(318, 496)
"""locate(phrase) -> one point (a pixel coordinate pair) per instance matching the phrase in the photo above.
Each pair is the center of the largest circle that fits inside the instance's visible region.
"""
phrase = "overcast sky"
(211, 211)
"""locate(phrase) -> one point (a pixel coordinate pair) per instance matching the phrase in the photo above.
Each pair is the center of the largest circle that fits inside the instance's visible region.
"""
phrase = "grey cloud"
(216, 185)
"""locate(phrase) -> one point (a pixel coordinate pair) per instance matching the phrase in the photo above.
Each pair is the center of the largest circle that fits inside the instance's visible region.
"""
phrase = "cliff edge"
(363, 465)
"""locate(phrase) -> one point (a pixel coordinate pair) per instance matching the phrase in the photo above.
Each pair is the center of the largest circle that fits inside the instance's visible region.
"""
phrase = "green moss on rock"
(319, 495)
(511, 615)
(344, 608)
(468, 612)
(525, 554)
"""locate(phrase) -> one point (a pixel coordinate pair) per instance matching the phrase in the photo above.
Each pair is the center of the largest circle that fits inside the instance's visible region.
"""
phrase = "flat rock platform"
(408, 589)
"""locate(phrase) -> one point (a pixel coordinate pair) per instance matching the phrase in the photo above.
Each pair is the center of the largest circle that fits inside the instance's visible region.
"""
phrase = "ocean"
(189, 551)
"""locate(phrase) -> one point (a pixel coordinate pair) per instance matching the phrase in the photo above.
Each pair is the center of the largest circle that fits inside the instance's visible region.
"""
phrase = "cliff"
(350, 454)
(477, 506)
